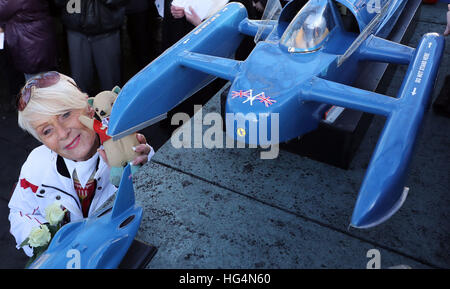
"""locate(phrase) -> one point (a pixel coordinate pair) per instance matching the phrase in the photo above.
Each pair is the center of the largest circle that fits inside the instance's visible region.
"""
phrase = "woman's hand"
(143, 149)
(177, 12)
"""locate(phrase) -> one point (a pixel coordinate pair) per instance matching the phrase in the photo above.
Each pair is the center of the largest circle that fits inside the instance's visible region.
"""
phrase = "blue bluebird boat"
(306, 60)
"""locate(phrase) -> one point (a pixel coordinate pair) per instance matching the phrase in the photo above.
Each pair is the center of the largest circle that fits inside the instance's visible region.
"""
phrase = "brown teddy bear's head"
(103, 102)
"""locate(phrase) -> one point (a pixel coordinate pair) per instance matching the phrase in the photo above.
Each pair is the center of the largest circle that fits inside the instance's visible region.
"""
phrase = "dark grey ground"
(226, 208)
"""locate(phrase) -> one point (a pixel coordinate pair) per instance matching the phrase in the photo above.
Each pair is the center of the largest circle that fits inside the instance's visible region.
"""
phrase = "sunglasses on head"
(39, 81)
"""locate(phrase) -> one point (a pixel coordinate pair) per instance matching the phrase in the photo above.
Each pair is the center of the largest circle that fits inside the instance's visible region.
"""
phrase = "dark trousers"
(99, 53)
(138, 28)
(173, 29)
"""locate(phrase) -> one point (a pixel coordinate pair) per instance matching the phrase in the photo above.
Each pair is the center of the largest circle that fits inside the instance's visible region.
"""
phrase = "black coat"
(95, 16)
(136, 6)
(29, 34)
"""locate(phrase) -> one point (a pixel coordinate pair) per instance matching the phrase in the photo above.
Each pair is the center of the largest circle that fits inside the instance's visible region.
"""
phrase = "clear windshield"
(309, 28)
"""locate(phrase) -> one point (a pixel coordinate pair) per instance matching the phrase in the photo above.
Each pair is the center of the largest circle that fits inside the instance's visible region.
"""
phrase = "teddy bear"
(118, 152)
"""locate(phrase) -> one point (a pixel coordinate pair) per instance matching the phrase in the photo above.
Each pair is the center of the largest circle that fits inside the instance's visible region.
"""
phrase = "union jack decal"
(249, 97)
(265, 99)
(241, 93)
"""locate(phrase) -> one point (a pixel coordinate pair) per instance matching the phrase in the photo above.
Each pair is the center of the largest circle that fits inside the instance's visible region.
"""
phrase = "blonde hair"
(50, 101)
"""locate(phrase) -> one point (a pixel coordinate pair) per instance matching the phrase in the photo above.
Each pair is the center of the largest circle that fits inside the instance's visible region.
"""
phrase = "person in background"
(29, 35)
(93, 38)
(139, 32)
(11, 81)
(178, 23)
(178, 12)
(174, 26)
(192, 16)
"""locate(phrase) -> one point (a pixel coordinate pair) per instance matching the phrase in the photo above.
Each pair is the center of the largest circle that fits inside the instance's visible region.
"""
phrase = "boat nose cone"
(371, 212)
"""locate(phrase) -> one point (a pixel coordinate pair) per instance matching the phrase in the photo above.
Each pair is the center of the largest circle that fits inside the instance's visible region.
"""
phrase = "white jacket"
(44, 179)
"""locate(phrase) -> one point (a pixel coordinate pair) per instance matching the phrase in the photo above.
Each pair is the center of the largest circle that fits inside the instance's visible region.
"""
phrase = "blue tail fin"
(125, 193)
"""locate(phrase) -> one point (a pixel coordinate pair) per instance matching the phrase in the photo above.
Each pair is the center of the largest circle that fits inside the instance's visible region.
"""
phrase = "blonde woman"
(69, 167)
